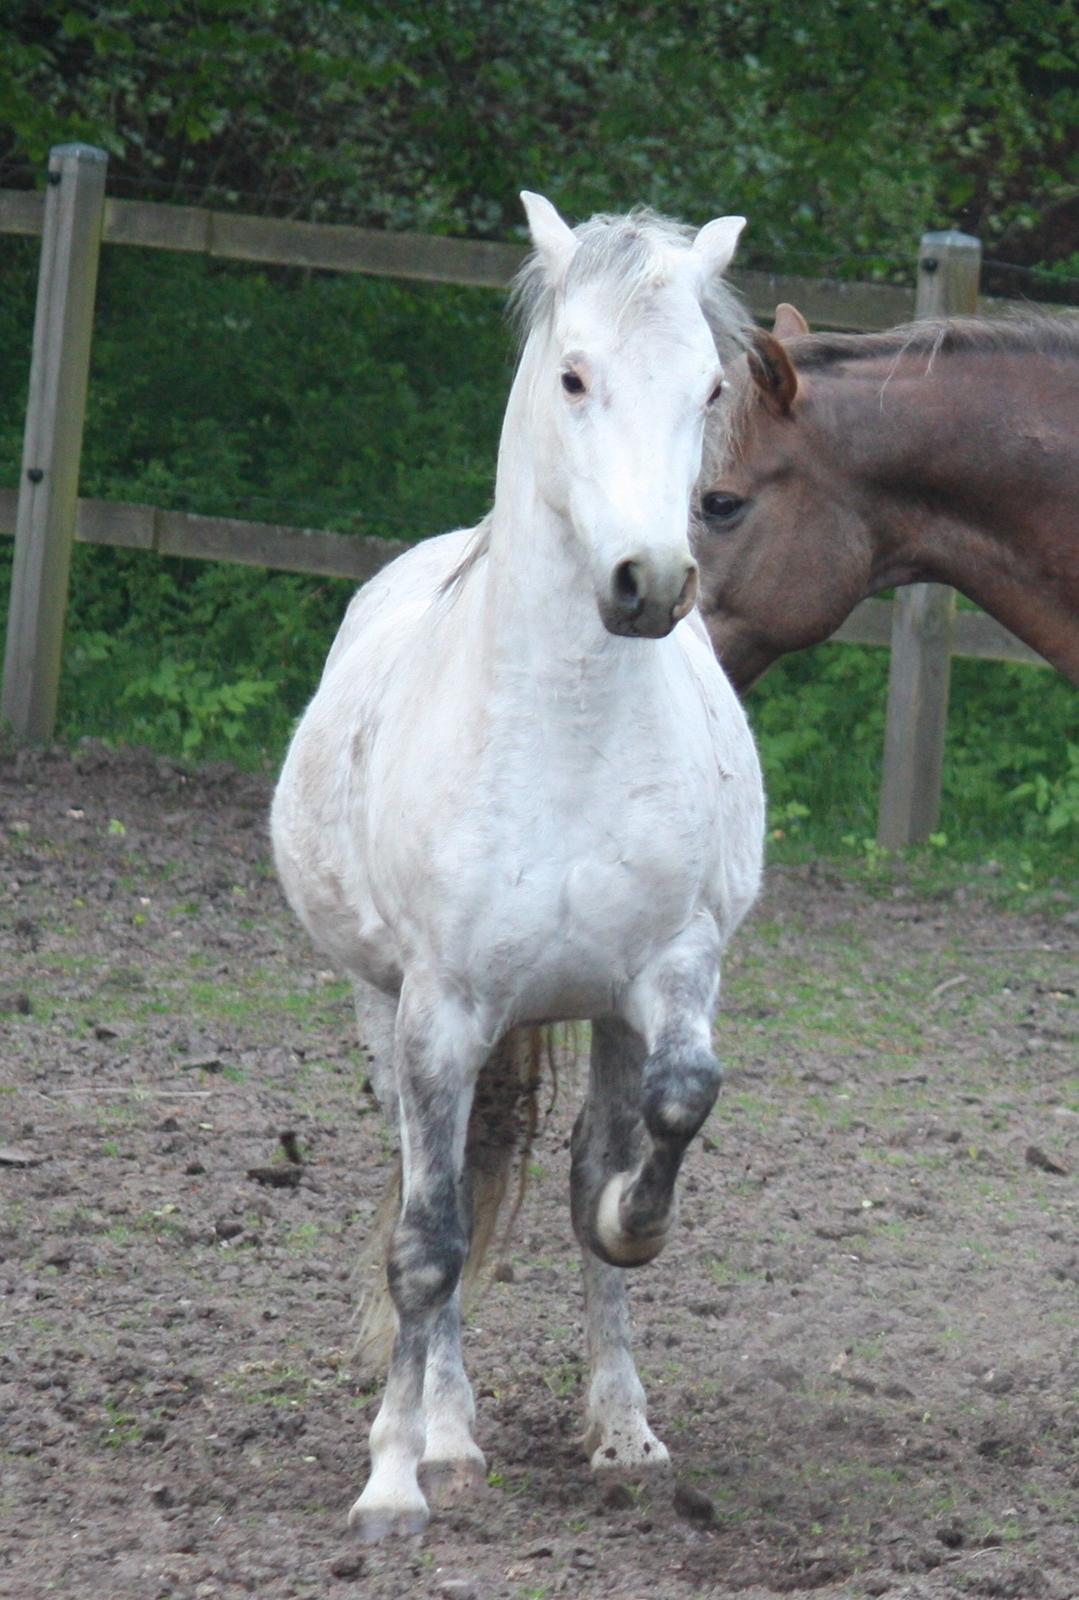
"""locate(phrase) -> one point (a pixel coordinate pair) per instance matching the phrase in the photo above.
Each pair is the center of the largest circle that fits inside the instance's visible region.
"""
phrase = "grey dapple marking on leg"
(680, 1082)
(608, 1135)
(502, 1121)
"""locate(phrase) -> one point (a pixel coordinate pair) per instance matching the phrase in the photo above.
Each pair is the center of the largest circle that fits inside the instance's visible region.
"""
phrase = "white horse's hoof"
(373, 1523)
(454, 1482)
(609, 1462)
(629, 1454)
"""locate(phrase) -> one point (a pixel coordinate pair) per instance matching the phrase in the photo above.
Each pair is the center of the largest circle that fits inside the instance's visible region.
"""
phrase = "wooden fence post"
(949, 267)
(52, 443)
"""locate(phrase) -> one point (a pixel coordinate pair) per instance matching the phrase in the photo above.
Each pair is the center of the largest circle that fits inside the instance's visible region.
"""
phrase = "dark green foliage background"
(839, 129)
(842, 131)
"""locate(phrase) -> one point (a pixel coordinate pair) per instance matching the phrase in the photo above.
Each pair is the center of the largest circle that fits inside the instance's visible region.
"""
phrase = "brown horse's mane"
(1054, 337)
(1043, 335)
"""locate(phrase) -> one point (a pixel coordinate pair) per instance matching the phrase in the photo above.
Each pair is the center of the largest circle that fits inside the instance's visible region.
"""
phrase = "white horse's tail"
(501, 1131)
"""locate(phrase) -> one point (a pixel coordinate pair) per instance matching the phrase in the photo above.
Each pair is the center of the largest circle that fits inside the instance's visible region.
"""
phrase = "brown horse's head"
(767, 587)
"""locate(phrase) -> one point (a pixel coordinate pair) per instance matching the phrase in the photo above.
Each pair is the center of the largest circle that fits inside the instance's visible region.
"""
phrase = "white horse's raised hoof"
(623, 1249)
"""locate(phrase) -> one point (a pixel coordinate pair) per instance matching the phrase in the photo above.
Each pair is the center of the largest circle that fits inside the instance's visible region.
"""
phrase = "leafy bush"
(356, 404)
(833, 123)
(1009, 769)
(1055, 798)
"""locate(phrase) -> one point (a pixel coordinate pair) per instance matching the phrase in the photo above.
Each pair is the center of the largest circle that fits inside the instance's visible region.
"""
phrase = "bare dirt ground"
(860, 1350)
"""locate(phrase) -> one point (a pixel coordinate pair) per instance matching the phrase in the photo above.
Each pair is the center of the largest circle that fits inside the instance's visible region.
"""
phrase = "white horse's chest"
(575, 872)
(534, 847)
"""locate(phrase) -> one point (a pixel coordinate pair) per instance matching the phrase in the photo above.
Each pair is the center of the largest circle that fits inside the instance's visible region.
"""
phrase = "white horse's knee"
(678, 1092)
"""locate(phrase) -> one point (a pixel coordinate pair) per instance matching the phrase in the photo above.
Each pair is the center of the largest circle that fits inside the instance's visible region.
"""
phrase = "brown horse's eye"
(716, 392)
(573, 383)
(721, 507)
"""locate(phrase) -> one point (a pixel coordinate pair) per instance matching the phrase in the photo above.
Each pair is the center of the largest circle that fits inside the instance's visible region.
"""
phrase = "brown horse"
(843, 464)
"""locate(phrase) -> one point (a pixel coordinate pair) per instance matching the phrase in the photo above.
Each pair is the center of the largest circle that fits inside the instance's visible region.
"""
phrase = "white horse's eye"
(716, 392)
(572, 382)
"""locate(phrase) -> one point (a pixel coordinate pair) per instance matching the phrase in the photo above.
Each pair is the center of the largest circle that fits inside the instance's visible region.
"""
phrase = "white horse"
(525, 792)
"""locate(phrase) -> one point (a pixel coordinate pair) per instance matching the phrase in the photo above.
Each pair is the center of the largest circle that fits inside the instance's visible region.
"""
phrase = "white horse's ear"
(552, 237)
(714, 245)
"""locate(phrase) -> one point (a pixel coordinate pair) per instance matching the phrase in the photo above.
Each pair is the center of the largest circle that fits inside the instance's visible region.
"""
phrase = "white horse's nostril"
(626, 588)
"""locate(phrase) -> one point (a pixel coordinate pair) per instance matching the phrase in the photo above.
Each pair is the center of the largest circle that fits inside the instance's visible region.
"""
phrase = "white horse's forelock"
(631, 252)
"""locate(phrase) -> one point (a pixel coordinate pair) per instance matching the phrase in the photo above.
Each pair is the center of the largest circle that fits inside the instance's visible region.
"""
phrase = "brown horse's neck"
(972, 469)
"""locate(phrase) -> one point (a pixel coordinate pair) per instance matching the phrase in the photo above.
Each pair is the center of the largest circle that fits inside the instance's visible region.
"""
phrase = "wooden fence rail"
(335, 247)
(357, 557)
(74, 217)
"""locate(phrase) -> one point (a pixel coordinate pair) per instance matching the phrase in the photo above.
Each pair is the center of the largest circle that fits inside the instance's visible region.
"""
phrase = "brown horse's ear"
(773, 372)
(789, 323)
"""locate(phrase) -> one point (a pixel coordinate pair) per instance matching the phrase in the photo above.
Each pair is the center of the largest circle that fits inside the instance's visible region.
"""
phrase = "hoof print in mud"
(693, 1505)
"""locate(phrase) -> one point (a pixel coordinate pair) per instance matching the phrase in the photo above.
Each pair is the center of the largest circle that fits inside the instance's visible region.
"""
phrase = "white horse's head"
(621, 364)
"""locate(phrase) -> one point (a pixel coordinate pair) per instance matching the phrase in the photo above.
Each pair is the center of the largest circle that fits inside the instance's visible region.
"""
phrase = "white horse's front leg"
(438, 1053)
(624, 1207)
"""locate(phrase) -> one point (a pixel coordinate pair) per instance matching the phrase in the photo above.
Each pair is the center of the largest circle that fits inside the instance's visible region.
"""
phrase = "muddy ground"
(861, 1348)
